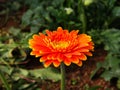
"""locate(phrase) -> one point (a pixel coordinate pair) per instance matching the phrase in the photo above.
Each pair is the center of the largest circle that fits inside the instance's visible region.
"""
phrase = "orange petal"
(59, 57)
(74, 32)
(90, 47)
(68, 55)
(36, 53)
(49, 33)
(82, 57)
(43, 59)
(56, 63)
(31, 41)
(39, 39)
(51, 56)
(76, 53)
(84, 38)
(80, 63)
(42, 36)
(75, 59)
(81, 45)
(67, 62)
(88, 53)
(83, 50)
(61, 46)
(55, 56)
(59, 29)
(47, 63)
(42, 49)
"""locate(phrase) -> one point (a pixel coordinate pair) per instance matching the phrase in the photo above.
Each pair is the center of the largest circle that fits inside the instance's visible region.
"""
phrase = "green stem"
(81, 12)
(2, 77)
(62, 76)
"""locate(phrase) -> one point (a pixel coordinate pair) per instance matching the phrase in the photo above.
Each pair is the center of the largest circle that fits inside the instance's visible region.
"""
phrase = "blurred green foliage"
(99, 18)
(51, 14)
(111, 40)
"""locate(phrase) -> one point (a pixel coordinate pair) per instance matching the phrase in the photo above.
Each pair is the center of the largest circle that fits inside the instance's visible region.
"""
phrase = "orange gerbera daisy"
(61, 46)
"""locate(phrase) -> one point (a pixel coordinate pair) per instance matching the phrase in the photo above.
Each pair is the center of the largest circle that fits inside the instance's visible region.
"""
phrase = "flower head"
(61, 46)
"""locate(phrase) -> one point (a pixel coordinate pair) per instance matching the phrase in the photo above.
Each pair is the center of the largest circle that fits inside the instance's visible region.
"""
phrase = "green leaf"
(116, 11)
(34, 29)
(4, 81)
(24, 86)
(24, 72)
(18, 73)
(14, 31)
(46, 73)
(26, 18)
(111, 65)
(6, 69)
(112, 61)
(111, 40)
(107, 75)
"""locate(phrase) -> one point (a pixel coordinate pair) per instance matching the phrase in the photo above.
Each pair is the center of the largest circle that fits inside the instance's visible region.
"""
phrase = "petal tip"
(59, 28)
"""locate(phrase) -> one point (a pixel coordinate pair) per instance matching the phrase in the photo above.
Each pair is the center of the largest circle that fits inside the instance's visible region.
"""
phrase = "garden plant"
(59, 44)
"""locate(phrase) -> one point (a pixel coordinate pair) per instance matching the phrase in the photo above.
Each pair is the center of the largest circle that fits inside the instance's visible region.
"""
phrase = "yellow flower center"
(60, 45)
